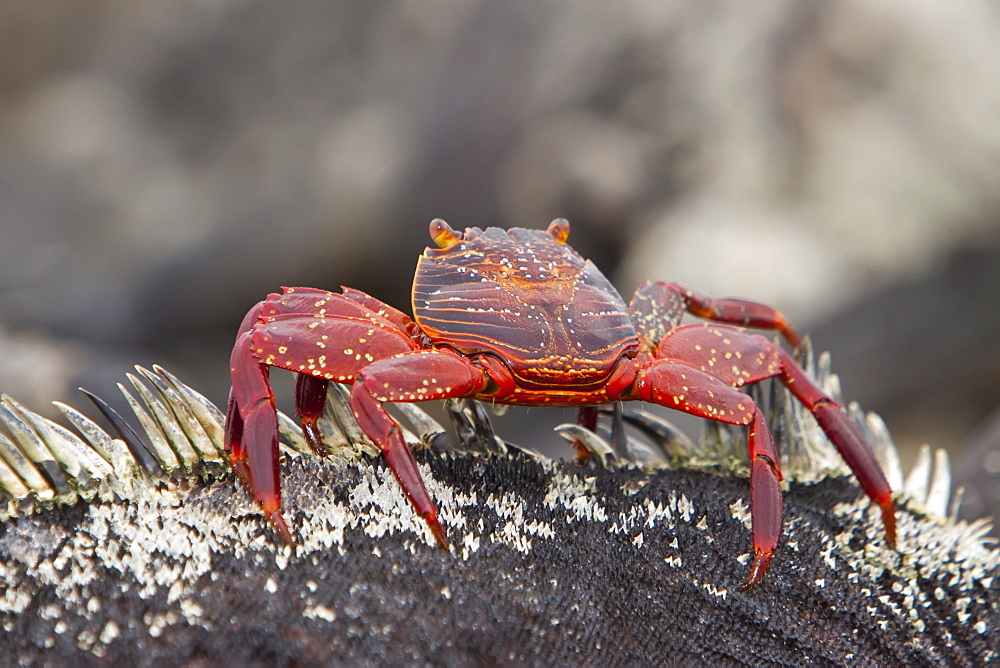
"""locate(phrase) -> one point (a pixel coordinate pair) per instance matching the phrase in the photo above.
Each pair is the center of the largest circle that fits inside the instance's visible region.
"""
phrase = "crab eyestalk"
(559, 230)
(443, 235)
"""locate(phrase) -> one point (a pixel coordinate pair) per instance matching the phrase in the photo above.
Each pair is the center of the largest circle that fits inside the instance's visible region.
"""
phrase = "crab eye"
(443, 235)
(559, 229)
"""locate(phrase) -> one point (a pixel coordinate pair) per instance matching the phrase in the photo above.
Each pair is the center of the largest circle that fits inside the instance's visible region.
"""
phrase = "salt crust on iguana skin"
(551, 562)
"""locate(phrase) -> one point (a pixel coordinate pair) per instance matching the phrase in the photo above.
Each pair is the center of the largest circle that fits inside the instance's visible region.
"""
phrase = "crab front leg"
(310, 391)
(676, 384)
(417, 376)
(321, 335)
(657, 306)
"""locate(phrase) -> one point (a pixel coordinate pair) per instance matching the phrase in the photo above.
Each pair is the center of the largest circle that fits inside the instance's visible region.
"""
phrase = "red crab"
(518, 317)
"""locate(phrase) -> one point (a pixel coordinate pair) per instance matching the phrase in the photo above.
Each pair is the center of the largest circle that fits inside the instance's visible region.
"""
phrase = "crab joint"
(443, 235)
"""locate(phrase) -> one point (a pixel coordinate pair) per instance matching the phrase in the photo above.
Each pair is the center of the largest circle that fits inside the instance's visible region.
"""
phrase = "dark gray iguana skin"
(551, 564)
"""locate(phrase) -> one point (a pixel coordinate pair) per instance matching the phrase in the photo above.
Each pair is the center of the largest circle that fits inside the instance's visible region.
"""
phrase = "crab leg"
(586, 417)
(234, 445)
(347, 336)
(846, 437)
(765, 498)
(402, 321)
(310, 391)
(738, 358)
(662, 302)
(252, 428)
(310, 400)
(677, 385)
(418, 376)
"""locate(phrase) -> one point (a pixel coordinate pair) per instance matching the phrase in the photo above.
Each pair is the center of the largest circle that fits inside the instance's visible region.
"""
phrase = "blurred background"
(163, 166)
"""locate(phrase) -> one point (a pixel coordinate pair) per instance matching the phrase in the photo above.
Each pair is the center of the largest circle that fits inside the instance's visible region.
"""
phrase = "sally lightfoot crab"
(518, 317)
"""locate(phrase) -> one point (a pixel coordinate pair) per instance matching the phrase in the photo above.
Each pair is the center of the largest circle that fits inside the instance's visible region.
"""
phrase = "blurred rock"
(979, 471)
(38, 369)
(163, 167)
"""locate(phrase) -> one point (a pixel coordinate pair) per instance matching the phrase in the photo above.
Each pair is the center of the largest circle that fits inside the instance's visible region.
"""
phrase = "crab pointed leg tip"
(280, 527)
(315, 440)
(758, 569)
(437, 530)
(889, 519)
(242, 471)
